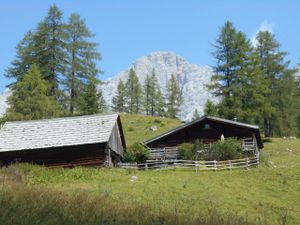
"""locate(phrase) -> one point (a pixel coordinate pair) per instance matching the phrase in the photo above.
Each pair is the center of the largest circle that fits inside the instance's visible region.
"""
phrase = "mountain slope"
(192, 78)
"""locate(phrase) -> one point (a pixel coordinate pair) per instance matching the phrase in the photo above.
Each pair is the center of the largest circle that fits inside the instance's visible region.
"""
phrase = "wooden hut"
(94, 140)
(208, 129)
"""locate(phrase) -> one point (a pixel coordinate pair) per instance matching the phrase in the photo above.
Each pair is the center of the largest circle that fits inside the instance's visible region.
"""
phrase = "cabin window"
(206, 126)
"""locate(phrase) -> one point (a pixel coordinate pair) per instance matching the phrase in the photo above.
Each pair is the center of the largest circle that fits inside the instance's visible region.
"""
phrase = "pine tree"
(196, 115)
(30, 99)
(133, 93)
(91, 100)
(119, 100)
(81, 60)
(174, 97)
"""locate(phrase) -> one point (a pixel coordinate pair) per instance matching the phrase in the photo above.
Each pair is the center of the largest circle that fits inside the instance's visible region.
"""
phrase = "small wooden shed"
(208, 129)
(93, 140)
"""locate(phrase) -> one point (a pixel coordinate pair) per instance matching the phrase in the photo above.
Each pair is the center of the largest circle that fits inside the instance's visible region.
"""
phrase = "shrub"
(230, 148)
(137, 153)
(188, 151)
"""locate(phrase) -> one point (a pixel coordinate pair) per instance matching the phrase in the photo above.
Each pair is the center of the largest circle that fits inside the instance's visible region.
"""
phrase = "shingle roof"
(67, 131)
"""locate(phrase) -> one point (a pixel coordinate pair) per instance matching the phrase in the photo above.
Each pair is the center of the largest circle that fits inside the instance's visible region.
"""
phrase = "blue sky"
(129, 29)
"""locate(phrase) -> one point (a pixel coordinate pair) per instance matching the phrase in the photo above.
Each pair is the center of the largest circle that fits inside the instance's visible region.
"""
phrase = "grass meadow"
(268, 195)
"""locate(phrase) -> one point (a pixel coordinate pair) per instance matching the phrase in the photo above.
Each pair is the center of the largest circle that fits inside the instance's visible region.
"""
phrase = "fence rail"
(194, 165)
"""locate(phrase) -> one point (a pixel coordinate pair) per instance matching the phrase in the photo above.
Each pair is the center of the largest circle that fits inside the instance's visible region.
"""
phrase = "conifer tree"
(273, 66)
(210, 109)
(153, 97)
(91, 100)
(133, 93)
(30, 99)
(119, 100)
(49, 44)
(232, 52)
(148, 91)
(20, 66)
(160, 103)
(81, 60)
(174, 97)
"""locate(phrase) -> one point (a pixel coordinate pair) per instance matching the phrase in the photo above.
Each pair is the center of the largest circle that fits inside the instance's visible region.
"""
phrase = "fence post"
(229, 164)
(247, 163)
(146, 166)
(215, 165)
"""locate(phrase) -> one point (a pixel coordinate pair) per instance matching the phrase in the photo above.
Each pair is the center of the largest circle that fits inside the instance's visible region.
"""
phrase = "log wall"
(71, 156)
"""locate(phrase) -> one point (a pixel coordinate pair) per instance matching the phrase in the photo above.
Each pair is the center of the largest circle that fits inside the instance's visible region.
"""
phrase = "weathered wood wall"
(198, 131)
(71, 156)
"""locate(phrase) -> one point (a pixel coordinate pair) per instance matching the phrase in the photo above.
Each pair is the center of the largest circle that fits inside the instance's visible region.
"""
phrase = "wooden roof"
(253, 128)
(58, 132)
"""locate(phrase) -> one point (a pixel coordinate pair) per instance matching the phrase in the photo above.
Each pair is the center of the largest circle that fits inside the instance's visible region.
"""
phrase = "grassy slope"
(136, 127)
(267, 193)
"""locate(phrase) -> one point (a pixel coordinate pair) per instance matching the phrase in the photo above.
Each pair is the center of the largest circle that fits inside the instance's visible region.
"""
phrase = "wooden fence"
(164, 153)
(193, 165)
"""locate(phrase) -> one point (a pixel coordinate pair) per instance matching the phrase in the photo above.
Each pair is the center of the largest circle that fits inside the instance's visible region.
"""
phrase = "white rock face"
(3, 102)
(192, 78)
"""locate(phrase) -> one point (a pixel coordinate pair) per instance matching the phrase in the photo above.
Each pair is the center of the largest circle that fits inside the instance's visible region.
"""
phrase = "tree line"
(255, 82)
(55, 70)
(148, 99)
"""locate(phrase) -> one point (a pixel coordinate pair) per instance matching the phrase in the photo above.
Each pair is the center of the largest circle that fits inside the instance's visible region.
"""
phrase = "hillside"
(137, 128)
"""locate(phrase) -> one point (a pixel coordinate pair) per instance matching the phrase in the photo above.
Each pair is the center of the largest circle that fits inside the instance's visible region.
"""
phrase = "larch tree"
(272, 66)
(30, 98)
(133, 93)
(174, 97)
(119, 100)
(49, 43)
(152, 95)
(81, 60)
(232, 53)
(91, 100)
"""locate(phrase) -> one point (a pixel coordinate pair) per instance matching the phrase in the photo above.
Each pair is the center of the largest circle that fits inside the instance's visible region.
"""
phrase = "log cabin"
(208, 129)
(93, 140)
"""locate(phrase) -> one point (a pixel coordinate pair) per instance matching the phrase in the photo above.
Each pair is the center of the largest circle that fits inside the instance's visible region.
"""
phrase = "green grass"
(137, 127)
(269, 194)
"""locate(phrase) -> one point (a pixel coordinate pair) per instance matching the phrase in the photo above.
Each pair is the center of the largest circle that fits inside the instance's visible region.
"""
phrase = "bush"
(228, 149)
(137, 153)
(188, 151)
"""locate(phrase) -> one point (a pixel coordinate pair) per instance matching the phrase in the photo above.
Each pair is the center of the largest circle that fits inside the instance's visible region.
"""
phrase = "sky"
(128, 29)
